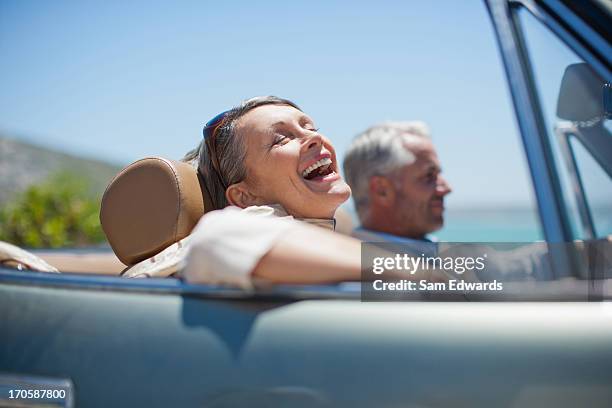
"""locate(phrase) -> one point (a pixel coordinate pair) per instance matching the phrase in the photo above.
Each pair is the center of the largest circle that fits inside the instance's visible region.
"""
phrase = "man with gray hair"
(395, 176)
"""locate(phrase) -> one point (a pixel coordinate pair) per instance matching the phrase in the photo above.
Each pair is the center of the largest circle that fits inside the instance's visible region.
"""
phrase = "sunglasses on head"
(209, 133)
(211, 126)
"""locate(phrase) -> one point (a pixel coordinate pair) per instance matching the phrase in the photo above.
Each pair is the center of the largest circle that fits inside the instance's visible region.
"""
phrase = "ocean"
(502, 224)
(491, 225)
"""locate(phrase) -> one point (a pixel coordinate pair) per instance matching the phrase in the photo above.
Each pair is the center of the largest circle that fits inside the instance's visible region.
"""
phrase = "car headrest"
(150, 205)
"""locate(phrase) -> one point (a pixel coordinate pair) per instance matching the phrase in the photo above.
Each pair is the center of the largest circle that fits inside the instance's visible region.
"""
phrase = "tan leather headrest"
(150, 205)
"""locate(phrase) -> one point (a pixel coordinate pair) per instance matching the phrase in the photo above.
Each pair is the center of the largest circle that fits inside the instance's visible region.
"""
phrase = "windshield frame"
(527, 104)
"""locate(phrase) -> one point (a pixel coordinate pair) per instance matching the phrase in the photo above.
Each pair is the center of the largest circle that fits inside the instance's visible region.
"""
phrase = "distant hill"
(23, 164)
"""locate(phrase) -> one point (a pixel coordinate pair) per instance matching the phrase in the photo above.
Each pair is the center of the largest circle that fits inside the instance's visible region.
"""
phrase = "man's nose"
(442, 187)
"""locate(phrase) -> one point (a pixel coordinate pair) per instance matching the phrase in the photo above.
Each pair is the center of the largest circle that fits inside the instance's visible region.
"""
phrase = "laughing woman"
(274, 179)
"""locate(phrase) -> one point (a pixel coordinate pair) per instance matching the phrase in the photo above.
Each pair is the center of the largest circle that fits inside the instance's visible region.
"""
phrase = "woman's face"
(289, 163)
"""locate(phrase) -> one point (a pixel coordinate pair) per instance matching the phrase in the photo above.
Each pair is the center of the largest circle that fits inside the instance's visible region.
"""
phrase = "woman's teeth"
(323, 162)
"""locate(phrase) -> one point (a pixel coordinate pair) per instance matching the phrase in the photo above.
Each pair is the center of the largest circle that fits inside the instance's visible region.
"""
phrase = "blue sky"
(121, 80)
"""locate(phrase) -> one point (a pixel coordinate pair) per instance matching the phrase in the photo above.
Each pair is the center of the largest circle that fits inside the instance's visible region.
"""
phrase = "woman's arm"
(231, 247)
(310, 255)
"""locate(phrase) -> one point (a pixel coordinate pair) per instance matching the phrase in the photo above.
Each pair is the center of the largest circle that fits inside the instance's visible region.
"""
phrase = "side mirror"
(583, 96)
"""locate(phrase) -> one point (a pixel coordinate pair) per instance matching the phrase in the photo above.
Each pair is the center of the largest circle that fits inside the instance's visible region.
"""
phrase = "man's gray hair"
(377, 152)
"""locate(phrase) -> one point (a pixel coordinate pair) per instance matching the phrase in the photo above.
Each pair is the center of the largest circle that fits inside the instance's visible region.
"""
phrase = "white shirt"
(225, 246)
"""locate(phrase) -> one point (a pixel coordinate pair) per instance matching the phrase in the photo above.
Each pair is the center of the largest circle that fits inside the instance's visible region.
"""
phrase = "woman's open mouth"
(322, 170)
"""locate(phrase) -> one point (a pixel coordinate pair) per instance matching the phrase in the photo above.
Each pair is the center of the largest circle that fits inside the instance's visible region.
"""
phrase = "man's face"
(420, 190)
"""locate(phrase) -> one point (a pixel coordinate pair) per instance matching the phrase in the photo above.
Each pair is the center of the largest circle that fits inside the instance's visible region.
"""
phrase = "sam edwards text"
(425, 285)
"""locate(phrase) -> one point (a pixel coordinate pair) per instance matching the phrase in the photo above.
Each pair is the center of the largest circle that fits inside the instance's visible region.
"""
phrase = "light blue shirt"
(529, 262)
(427, 246)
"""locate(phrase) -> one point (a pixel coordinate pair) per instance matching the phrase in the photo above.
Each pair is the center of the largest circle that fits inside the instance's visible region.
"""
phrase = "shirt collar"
(394, 238)
(427, 246)
(326, 223)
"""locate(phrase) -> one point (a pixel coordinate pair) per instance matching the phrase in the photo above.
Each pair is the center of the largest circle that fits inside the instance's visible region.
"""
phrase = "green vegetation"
(59, 212)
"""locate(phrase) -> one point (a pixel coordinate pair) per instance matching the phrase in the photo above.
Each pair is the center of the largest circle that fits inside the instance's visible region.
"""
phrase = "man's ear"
(240, 195)
(382, 191)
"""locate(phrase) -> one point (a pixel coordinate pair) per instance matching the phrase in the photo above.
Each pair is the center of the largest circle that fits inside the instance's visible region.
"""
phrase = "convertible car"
(107, 341)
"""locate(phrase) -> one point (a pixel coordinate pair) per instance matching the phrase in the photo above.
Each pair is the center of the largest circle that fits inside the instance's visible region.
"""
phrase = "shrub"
(59, 212)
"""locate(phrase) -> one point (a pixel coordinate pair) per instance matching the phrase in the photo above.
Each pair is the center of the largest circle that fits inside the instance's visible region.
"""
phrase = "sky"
(119, 81)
